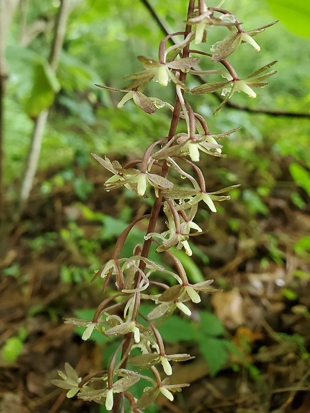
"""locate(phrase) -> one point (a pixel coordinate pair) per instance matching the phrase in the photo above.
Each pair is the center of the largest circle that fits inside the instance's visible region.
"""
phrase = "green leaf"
(12, 349)
(193, 272)
(254, 202)
(177, 329)
(302, 246)
(210, 324)
(43, 91)
(215, 352)
(300, 176)
(292, 14)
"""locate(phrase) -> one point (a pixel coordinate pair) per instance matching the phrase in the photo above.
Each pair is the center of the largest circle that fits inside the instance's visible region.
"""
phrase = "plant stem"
(40, 123)
(157, 204)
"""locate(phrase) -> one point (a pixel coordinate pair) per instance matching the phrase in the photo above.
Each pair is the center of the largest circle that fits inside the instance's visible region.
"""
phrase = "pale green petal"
(194, 296)
(88, 331)
(136, 334)
(199, 32)
(242, 86)
(207, 199)
(184, 308)
(109, 400)
(166, 365)
(193, 152)
(141, 188)
(166, 393)
(127, 97)
(249, 39)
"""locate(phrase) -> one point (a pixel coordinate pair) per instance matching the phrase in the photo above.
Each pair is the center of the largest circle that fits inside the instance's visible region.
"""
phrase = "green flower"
(144, 361)
(205, 21)
(232, 85)
(131, 178)
(70, 381)
(161, 72)
(150, 394)
(142, 101)
(224, 48)
(106, 396)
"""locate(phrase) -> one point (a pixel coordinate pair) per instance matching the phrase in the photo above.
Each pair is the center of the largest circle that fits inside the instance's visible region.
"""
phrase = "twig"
(40, 123)
(271, 112)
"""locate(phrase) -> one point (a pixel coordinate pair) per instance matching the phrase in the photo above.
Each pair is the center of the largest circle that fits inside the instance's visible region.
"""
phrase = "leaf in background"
(177, 329)
(210, 324)
(215, 352)
(43, 91)
(193, 272)
(87, 315)
(12, 349)
(292, 14)
(254, 202)
(300, 176)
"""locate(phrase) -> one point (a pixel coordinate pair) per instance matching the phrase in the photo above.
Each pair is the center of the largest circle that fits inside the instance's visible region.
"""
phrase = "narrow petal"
(194, 296)
(249, 39)
(193, 152)
(199, 32)
(136, 334)
(184, 308)
(141, 184)
(241, 85)
(166, 393)
(187, 248)
(125, 99)
(207, 199)
(162, 76)
(109, 400)
(88, 332)
(166, 366)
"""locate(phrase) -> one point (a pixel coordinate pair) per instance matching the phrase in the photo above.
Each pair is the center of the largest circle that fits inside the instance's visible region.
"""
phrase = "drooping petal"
(184, 308)
(88, 331)
(125, 99)
(109, 400)
(193, 152)
(207, 199)
(165, 392)
(166, 366)
(194, 296)
(249, 39)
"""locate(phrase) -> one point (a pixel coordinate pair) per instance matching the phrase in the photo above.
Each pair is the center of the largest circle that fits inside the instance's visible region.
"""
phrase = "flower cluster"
(139, 278)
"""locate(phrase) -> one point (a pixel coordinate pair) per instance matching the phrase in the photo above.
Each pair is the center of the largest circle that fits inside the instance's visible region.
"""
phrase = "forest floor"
(264, 306)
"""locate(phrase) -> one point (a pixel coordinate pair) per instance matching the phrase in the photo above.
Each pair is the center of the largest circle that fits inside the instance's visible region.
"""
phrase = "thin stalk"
(40, 123)
(158, 202)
